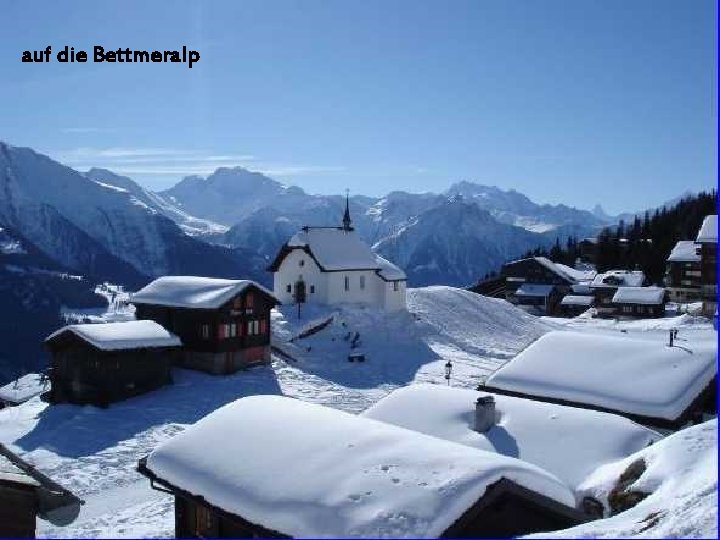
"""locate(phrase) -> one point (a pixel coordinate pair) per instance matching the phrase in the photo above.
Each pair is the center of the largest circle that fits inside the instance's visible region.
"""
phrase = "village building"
(26, 493)
(648, 381)
(536, 284)
(683, 272)
(224, 324)
(605, 285)
(573, 305)
(102, 363)
(707, 238)
(344, 476)
(639, 302)
(569, 442)
(331, 266)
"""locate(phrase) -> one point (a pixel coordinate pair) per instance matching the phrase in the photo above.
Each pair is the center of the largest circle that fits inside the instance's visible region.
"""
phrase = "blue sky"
(572, 101)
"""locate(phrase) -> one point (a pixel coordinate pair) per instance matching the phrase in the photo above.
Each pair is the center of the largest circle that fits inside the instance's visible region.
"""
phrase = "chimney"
(484, 413)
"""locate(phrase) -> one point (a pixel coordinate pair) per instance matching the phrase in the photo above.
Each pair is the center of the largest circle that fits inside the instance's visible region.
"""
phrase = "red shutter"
(263, 326)
(249, 300)
(221, 331)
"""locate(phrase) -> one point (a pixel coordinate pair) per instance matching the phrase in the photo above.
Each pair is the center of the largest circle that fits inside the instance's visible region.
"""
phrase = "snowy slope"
(94, 452)
(67, 214)
(681, 477)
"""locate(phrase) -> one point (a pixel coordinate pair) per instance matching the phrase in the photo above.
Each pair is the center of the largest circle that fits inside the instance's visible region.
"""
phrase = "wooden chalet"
(224, 324)
(26, 493)
(605, 285)
(683, 272)
(707, 238)
(536, 283)
(639, 302)
(337, 493)
(573, 305)
(102, 363)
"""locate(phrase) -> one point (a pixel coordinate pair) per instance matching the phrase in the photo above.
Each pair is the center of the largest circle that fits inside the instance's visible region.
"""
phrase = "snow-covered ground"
(94, 452)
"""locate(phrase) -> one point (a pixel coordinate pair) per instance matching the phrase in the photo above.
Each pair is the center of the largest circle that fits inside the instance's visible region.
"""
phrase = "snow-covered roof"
(708, 230)
(631, 375)
(587, 274)
(23, 388)
(121, 335)
(306, 470)
(336, 249)
(555, 268)
(624, 278)
(192, 291)
(388, 270)
(565, 441)
(534, 289)
(576, 300)
(685, 251)
(9, 472)
(582, 289)
(639, 295)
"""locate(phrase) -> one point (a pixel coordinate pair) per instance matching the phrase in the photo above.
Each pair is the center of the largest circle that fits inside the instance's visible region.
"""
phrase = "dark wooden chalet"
(102, 363)
(224, 324)
(317, 506)
(707, 238)
(683, 272)
(639, 302)
(26, 493)
(506, 510)
(536, 283)
(573, 305)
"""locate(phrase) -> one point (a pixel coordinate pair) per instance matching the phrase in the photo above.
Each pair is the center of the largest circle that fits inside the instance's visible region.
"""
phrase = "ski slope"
(93, 452)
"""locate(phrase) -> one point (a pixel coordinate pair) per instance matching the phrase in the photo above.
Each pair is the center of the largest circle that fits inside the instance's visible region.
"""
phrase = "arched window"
(347, 283)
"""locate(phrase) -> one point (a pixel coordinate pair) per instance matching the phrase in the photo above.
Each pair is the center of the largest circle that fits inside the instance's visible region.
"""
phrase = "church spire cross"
(347, 222)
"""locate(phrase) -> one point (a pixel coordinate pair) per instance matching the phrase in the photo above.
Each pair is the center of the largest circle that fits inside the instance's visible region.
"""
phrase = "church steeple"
(347, 222)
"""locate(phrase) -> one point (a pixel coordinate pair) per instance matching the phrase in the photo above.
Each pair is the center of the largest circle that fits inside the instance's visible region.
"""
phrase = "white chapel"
(332, 265)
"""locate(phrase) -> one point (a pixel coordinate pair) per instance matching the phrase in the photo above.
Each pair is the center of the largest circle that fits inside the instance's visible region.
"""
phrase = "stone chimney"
(484, 413)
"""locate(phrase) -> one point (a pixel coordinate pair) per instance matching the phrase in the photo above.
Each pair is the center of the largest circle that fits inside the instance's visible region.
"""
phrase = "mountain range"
(101, 226)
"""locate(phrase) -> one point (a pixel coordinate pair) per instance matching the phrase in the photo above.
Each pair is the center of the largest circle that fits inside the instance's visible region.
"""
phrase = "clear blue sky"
(572, 101)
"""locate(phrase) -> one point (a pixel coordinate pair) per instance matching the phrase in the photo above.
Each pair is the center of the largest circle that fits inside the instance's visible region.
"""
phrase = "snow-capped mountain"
(81, 221)
(455, 243)
(514, 208)
(262, 213)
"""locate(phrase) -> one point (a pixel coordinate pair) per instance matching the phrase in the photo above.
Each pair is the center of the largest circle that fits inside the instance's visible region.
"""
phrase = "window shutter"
(263, 326)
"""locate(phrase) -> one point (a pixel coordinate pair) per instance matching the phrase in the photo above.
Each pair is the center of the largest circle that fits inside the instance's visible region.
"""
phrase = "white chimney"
(484, 413)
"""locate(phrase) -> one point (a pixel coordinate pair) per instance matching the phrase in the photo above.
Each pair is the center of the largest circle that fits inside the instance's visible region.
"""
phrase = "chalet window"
(362, 282)
(312, 289)
(347, 283)
(627, 309)
(233, 330)
(396, 286)
(205, 331)
(249, 303)
(288, 288)
(253, 328)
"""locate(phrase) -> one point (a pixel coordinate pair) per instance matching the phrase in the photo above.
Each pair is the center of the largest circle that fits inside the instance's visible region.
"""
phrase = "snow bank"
(311, 471)
(639, 295)
(22, 389)
(565, 441)
(681, 475)
(121, 335)
(192, 291)
(631, 375)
